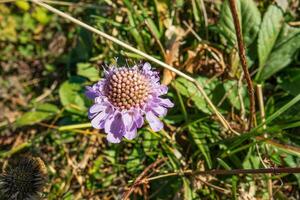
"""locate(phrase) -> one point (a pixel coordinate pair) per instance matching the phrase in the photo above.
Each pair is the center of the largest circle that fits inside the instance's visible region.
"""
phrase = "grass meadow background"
(46, 62)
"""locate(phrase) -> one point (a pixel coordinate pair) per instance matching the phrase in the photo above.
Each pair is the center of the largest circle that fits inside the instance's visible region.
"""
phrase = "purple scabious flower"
(123, 98)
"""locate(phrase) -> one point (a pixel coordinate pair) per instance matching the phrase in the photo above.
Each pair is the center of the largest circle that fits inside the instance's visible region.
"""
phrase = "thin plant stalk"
(242, 55)
(263, 119)
(141, 53)
(288, 170)
(203, 9)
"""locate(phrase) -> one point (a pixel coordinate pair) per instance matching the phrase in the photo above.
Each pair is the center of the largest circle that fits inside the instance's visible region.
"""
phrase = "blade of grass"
(223, 164)
(236, 141)
(15, 150)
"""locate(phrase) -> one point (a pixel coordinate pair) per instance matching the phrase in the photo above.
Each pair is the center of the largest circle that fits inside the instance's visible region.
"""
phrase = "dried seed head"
(127, 88)
(23, 178)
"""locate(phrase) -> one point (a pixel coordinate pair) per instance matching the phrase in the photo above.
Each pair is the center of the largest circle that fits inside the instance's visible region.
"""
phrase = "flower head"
(23, 178)
(123, 98)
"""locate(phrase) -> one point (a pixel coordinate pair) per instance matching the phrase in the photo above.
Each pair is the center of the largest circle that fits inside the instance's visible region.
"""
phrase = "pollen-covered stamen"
(127, 88)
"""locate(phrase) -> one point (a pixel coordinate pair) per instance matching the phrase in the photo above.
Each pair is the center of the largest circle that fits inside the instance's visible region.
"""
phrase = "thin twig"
(242, 54)
(294, 23)
(141, 176)
(240, 89)
(261, 105)
(141, 53)
(232, 172)
(7, 1)
(292, 149)
(193, 31)
(222, 190)
(288, 170)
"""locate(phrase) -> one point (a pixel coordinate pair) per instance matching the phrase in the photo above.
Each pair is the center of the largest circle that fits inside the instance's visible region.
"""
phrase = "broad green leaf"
(134, 160)
(283, 53)
(71, 95)
(250, 19)
(188, 89)
(88, 71)
(293, 162)
(226, 25)
(270, 29)
(231, 86)
(291, 81)
(198, 134)
(150, 142)
(40, 113)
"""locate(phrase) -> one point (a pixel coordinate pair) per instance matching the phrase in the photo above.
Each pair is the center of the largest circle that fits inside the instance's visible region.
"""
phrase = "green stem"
(75, 126)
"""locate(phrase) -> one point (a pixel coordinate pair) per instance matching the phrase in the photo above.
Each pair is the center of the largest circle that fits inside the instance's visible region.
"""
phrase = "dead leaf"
(174, 36)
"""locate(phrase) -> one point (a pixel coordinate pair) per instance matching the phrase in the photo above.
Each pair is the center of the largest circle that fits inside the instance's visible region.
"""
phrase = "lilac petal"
(159, 110)
(91, 93)
(163, 89)
(108, 123)
(130, 134)
(154, 122)
(138, 120)
(96, 122)
(112, 139)
(166, 103)
(97, 108)
(117, 126)
(127, 120)
(147, 67)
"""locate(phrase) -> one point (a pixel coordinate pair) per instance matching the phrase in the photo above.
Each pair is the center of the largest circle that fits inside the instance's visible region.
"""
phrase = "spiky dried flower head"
(23, 178)
(124, 97)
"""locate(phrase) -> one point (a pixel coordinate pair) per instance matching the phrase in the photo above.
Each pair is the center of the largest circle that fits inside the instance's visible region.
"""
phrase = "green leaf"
(291, 81)
(188, 89)
(287, 45)
(232, 87)
(226, 25)
(71, 95)
(270, 29)
(292, 162)
(188, 193)
(88, 71)
(250, 19)
(150, 142)
(223, 164)
(24, 5)
(41, 112)
(134, 160)
(198, 134)
(40, 14)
